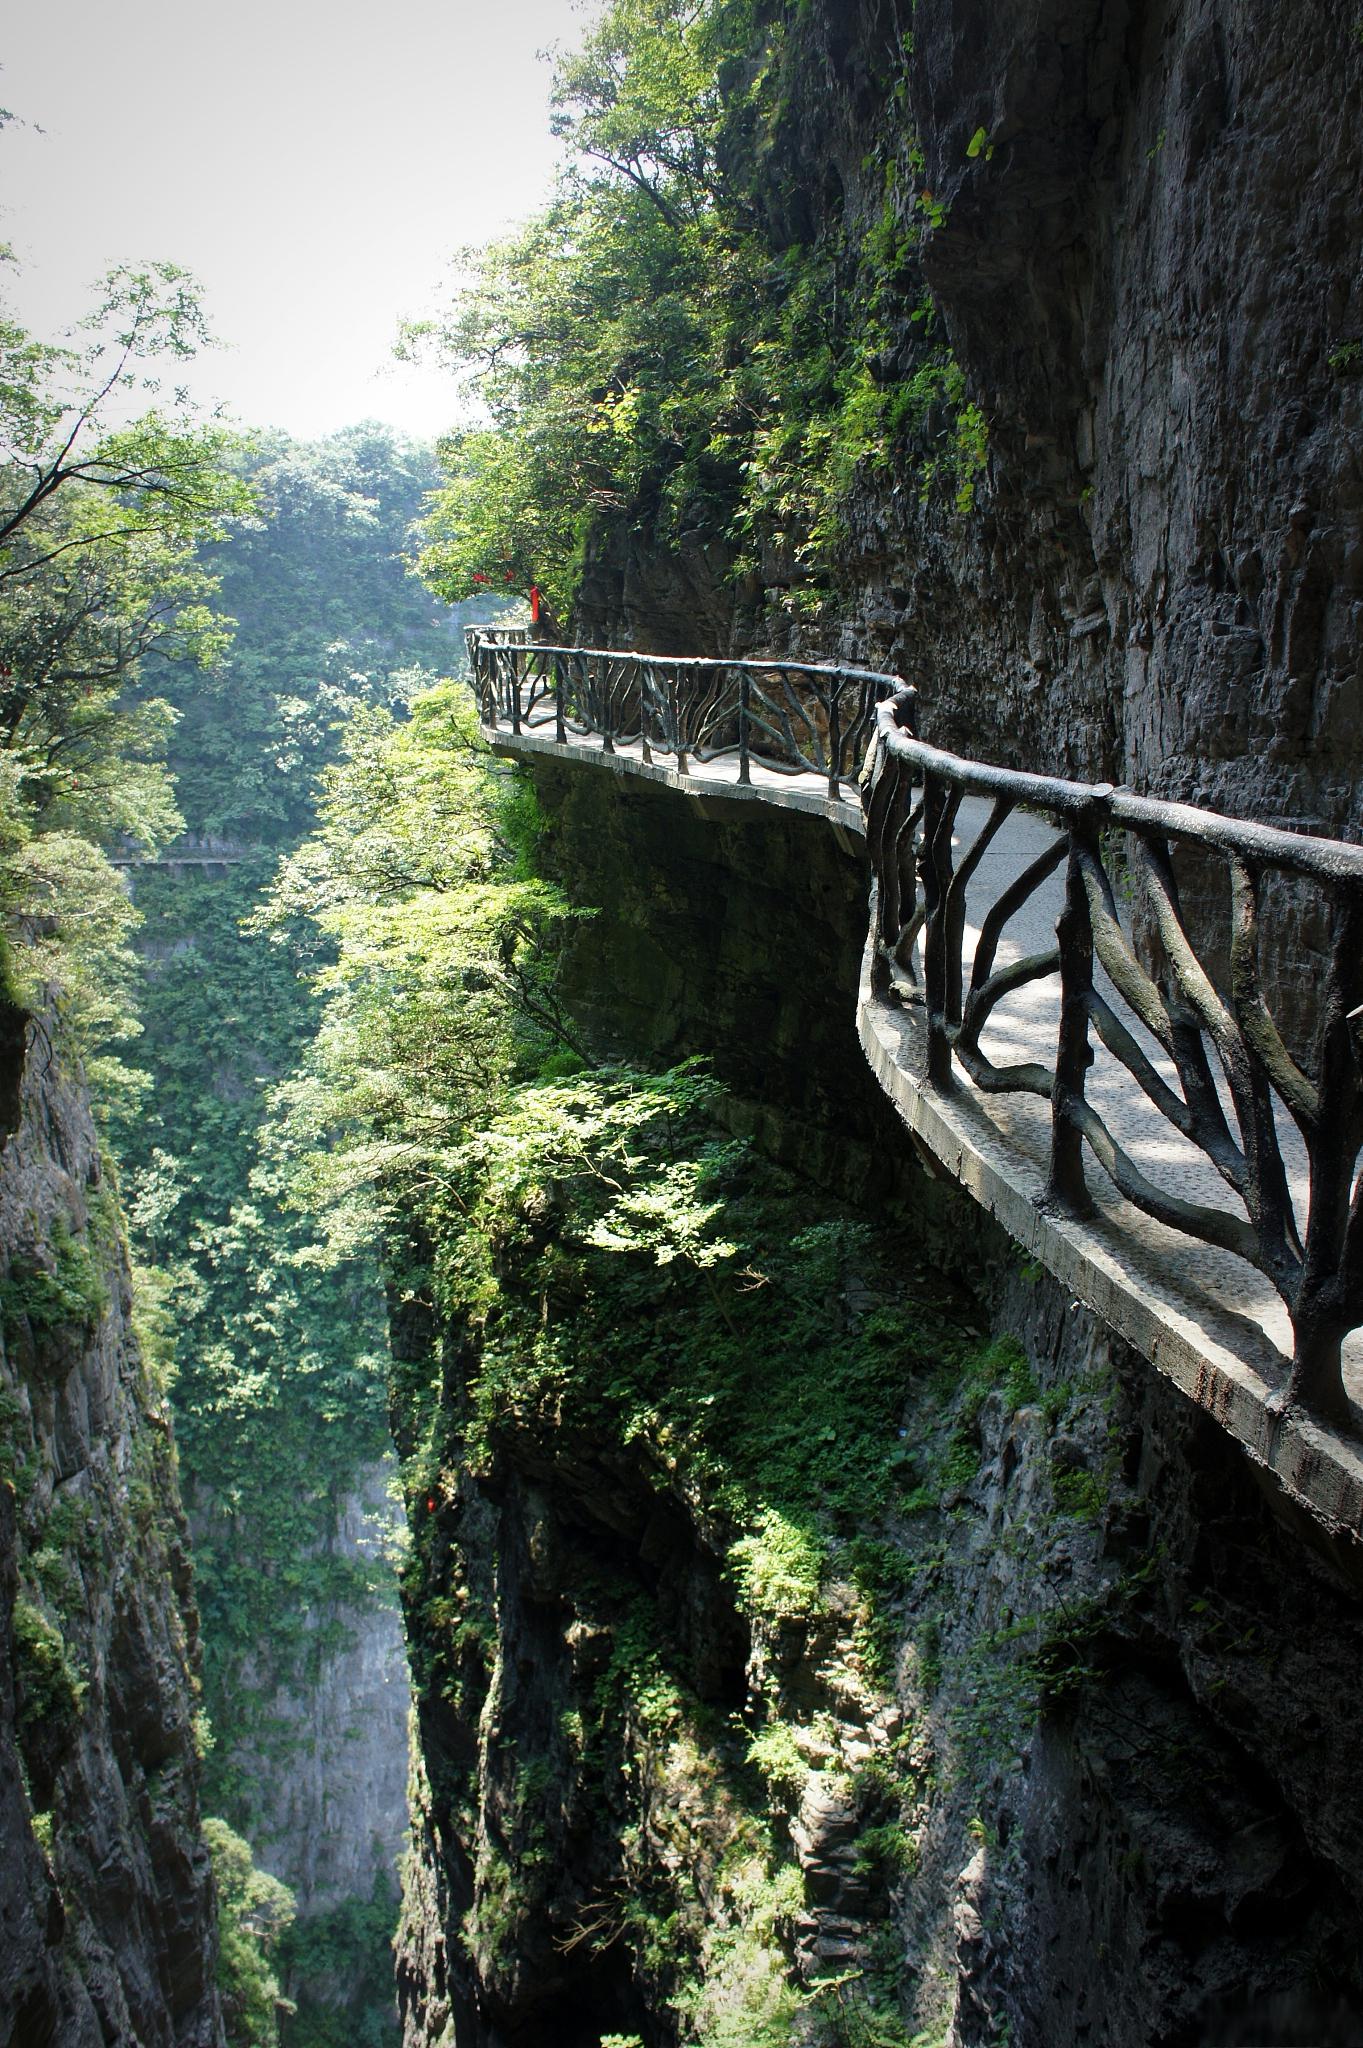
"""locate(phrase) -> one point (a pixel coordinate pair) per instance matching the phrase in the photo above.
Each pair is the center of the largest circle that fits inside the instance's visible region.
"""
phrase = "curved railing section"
(786, 718)
(1226, 1077)
(1176, 1001)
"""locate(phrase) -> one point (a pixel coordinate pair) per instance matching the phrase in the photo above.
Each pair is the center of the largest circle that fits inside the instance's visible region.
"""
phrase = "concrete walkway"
(1204, 1317)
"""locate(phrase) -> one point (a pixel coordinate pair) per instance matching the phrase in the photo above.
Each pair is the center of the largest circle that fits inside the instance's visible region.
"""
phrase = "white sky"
(315, 163)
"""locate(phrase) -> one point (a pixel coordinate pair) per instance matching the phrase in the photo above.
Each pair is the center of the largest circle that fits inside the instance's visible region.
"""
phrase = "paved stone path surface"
(1204, 1316)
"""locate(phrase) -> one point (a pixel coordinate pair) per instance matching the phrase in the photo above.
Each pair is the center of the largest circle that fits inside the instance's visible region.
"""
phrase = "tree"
(683, 339)
(435, 960)
(64, 420)
(598, 339)
(108, 486)
(254, 1910)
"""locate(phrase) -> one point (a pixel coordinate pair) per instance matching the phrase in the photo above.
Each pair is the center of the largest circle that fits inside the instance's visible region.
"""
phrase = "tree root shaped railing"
(1221, 1072)
(1232, 1071)
(784, 717)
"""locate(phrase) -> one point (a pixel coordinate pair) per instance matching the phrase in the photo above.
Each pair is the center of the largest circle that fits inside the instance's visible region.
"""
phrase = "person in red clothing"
(543, 625)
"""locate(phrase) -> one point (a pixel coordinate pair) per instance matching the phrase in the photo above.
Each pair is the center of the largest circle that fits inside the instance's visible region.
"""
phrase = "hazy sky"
(314, 162)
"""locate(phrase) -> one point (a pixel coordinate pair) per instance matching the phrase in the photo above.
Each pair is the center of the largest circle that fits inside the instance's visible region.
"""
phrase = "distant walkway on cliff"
(1098, 1066)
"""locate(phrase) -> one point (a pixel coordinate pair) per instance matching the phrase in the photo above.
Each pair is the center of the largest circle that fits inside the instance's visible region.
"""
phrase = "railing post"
(607, 709)
(1329, 1297)
(560, 684)
(744, 764)
(835, 738)
(513, 663)
(935, 872)
(675, 688)
(645, 672)
(1066, 1188)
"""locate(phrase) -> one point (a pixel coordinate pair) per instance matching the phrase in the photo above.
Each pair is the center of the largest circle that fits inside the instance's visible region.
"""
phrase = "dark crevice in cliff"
(14, 1023)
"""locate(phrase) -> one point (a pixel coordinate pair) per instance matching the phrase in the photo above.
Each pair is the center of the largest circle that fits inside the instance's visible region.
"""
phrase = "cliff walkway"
(1133, 1030)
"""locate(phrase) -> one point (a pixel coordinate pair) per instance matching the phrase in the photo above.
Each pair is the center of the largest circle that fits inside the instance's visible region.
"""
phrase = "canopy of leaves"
(433, 958)
(327, 617)
(254, 1909)
(670, 339)
(107, 494)
(282, 1357)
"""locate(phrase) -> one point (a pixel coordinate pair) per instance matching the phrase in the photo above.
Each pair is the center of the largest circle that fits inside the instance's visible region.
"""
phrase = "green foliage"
(1002, 1365)
(437, 975)
(953, 1463)
(635, 1679)
(67, 1541)
(660, 342)
(15, 1467)
(101, 520)
(254, 1909)
(777, 1567)
(853, 2013)
(885, 1853)
(714, 1325)
(1070, 1652)
(68, 1292)
(279, 1354)
(744, 1997)
(1082, 1493)
(327, 620)
(280, 1360)
(777, 1755)
(613, 1267)
(51, 1690)
(884, 1575)
(338, 1966)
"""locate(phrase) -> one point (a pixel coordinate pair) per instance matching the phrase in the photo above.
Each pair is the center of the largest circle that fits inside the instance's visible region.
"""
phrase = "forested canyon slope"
(821, 1630)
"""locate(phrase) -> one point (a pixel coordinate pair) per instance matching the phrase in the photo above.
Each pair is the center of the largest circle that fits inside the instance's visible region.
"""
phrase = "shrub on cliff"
(253, 1911)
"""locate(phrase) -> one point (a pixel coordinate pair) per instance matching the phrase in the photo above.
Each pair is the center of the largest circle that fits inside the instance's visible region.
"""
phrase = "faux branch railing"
(786, 718)
(1227, 1069)
(1213, 1062)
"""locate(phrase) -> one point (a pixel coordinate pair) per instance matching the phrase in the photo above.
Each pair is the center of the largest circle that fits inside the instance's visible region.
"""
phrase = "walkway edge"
(1321, 1471)
(515, 745)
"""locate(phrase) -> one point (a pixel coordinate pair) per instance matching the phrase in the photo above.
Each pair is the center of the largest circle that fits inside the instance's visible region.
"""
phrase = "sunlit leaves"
(686, 337)
(105, 495)
(597, 338)
(433, 963)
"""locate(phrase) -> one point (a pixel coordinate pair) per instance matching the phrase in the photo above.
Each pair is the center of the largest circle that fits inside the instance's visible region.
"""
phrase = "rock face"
(332, 1817)
(1088, 1777)
(1148, 270)
(106, 1896)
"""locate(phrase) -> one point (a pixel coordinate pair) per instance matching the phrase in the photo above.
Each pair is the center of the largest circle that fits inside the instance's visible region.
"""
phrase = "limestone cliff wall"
(106, 1897)
(329, 1798)
(1151, 275)
(1105, 1793)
